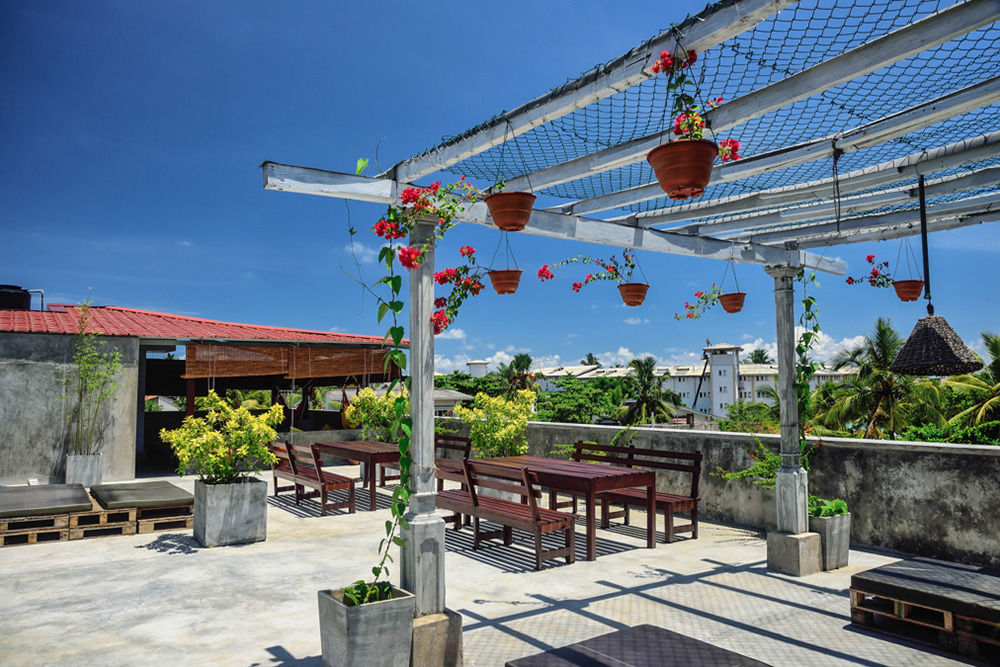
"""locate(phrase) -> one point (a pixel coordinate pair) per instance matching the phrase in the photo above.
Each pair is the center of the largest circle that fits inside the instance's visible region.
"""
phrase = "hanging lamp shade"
(934, 348)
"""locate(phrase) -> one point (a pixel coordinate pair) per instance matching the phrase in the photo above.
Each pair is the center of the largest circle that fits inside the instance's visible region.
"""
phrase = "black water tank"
(12, 297)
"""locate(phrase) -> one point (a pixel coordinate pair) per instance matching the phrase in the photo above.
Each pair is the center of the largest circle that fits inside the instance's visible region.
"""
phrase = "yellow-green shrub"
(497, 426)
(375, 413)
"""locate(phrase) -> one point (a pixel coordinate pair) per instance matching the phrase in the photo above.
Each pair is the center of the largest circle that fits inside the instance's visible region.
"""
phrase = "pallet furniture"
(525, 515)
(639, 646)
(588, 481)
(32, 514)
(307, 471)
(158, 505)
(368, 452)
(100, 522)
(953, 605)
(651, 459)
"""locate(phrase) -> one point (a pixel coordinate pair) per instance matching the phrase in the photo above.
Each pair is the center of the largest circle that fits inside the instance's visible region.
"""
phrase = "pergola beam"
(548, 223)
(909, 228)
(700, 33)
(876, 54)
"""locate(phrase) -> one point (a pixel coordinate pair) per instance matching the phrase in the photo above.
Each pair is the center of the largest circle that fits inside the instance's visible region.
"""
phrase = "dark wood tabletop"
(370, 452)
(587, 480)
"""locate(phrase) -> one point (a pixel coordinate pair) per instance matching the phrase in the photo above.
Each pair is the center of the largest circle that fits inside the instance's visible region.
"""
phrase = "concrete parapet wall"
(931, 499)
(34, 416)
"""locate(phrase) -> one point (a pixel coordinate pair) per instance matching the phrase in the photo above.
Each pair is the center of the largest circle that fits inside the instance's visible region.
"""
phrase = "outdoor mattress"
(962, 589)
(642, 645)
(18, 501)
(140, 494)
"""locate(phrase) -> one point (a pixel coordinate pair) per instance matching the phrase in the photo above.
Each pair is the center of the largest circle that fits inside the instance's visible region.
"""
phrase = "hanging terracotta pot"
(510, 210)
(908, 290)
(505, 281)
(683, 167)
(633, 294)
(732, 302)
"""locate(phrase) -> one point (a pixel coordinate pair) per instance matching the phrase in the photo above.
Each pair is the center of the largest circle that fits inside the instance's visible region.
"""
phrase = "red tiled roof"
(117, 321)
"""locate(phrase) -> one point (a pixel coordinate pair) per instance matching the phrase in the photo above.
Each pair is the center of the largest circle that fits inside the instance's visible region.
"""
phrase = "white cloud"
(363, 253)
(547, 361)
(451, 334)
(622, 356)
(636, 320)
(186, 244)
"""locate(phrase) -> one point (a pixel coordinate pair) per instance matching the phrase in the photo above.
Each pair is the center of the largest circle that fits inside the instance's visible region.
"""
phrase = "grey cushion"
(140, 494)
(18, 501)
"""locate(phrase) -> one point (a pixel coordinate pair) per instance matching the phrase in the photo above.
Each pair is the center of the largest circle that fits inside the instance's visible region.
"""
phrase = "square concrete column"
(422, 557)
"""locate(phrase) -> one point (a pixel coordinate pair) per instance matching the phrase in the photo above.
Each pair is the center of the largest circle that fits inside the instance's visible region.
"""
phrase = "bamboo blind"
(220, 361)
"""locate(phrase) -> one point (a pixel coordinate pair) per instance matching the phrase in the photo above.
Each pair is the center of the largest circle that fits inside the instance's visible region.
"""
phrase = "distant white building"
(477, 368)
(710, 387)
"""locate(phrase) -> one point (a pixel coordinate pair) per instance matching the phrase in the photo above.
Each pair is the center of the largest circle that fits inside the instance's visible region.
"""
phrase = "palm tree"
(516, 375)
(760, 356)
(590, 360)
(983, 387)
(649, 399)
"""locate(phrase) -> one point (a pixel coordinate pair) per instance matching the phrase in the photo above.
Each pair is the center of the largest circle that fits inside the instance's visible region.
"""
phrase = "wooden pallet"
(99, 517)
(102, 531)
(34, 536)
(175, 523)
(19, 524)
(169, 511)
(971, 637)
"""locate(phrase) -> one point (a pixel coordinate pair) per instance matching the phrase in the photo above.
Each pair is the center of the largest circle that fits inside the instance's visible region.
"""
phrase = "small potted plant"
(614, 269)
(704, 300)
(879, 276)
(225, 448)
(510, 210)
(832, 521)
(683, 166)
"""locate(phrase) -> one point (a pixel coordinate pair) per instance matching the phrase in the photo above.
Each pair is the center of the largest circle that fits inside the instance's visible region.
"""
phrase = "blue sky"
(133, 132)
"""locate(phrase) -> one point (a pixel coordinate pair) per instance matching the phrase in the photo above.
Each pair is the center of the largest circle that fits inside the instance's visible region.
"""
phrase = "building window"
(722, 372)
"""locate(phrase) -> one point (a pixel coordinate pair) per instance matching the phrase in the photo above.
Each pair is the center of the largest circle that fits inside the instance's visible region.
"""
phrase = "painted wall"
(921, 498)
(34, 417)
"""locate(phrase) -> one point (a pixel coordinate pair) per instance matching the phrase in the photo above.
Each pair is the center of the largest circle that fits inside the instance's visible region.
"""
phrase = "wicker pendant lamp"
(933, 347)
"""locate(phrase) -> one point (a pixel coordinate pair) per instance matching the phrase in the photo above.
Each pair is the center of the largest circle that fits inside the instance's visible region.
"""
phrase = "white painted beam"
(911, 39)
(700, 33)
(306, 180)
(910, 228)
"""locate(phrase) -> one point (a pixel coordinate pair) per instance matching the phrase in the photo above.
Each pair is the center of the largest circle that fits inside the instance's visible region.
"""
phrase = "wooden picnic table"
(588, 480)
(369, 452)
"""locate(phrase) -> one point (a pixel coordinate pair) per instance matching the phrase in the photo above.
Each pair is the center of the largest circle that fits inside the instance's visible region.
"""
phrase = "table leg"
(651, 516)
(591, 528)
(371, 484)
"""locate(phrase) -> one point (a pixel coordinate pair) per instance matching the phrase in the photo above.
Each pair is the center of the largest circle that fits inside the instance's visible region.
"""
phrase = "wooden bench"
(307, 470)
(446, 467)
(636, 457)
(282, 469)
(525, 515)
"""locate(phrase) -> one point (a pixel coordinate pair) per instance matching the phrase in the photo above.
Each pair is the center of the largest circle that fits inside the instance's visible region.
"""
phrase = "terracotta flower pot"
(505, 281)
(633, 294)
(732, 302)
(683, 167)
(908, 290)
(510, 210)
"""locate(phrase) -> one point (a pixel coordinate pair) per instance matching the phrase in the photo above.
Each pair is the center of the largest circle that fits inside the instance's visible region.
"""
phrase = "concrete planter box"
(835, 533)
(230, 513)
(377, 634)
(83, 469)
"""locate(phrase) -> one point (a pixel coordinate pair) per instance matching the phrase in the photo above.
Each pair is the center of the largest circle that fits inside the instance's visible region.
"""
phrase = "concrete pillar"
(422, 557)
(791, 484)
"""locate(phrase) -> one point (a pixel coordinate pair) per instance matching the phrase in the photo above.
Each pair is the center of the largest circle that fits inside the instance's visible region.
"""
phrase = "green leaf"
(403, 523)
(383, 308)
(399, 541)
(396, 283)
(397, 334)
(377, 570)
(397, 306)
(388, 527)
(361, 166)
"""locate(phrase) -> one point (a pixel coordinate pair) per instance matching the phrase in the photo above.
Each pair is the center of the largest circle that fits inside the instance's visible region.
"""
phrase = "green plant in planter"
(497, 426)
(376, 414)
(226, 445)
(93, 380)
(824, 507)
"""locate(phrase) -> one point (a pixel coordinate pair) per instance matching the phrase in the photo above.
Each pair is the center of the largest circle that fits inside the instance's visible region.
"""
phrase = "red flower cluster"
(667, 64)
(687, 122)
(577, 286)
(410, 257)
(440, 321)
(388, 230)
(878, 276)
(440, 302)
(545, 274)
(729, 149)
(446, 276)
(869, 258)
(467, 251)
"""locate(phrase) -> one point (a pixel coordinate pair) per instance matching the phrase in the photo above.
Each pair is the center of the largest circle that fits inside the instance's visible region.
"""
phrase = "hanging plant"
(615, 269)
(880, 276)
(732, 302)
(510, 210)
(683, 166)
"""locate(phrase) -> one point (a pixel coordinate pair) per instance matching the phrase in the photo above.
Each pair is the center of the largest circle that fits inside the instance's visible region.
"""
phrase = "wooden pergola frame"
(771, 227)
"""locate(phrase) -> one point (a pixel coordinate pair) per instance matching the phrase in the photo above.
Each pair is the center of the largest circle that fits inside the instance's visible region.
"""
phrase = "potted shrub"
(879, 276)
(832, 521)
(683, 166)
(224, 448)
(614, 269)
(93, 382)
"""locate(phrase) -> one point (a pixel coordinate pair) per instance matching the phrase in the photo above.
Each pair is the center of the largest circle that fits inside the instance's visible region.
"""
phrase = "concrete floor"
(161, 599)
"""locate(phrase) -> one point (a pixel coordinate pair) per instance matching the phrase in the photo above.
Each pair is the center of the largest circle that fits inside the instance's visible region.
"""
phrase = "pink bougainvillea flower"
(467, 251)
(440, 321)
(545, 273)
(577, 286)
(440, 302)
(869, 258)
(445, 276)
(410, 257)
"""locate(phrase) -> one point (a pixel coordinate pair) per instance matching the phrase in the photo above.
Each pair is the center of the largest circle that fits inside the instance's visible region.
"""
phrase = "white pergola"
(840, 109)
